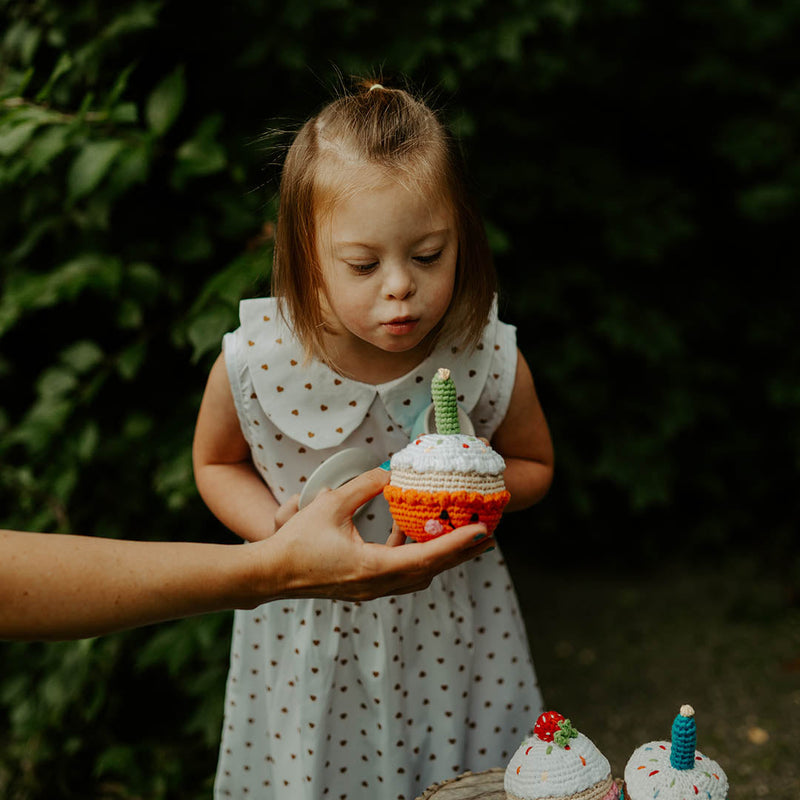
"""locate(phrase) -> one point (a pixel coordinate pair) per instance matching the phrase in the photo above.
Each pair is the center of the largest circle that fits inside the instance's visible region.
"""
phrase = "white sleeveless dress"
(378, 699)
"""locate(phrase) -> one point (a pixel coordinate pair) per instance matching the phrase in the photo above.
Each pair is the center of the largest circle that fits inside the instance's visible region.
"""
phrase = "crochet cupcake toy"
(556, 763)
(560, 763)
(674, 770)
(443, 480)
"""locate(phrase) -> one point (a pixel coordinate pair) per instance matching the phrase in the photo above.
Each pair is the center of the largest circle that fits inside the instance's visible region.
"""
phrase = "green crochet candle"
(445, 407)
(447, 479)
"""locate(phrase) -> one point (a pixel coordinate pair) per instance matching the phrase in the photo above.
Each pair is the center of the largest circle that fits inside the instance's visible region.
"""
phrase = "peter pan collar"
(316, 406)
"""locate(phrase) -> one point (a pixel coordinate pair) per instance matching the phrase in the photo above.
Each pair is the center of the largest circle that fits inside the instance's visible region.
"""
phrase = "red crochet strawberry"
(548, 725)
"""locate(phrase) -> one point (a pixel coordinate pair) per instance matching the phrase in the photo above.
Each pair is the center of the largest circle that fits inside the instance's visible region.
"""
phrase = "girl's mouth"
(401, 325)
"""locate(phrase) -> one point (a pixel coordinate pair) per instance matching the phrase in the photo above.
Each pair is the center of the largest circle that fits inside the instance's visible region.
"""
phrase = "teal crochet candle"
(684, 739)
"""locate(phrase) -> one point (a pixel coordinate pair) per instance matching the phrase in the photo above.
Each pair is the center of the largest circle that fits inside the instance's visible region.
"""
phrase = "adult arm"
(523, 439)
(56, 586)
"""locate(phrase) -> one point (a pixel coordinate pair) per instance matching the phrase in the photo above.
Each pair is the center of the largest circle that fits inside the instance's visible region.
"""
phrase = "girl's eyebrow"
(428, 235)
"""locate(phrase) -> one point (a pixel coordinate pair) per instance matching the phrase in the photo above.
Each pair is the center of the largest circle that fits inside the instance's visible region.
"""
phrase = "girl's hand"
(322, 554)
(396, 537)
(286, 511)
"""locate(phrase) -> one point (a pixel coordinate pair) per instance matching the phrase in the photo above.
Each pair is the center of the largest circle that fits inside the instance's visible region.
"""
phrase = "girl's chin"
(395, 341)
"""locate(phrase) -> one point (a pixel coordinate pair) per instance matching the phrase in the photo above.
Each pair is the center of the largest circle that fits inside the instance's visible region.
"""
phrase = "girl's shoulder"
(304, 398)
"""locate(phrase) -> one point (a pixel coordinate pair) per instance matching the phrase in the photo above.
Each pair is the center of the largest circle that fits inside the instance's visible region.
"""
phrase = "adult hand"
(323, 555)
(55, 586)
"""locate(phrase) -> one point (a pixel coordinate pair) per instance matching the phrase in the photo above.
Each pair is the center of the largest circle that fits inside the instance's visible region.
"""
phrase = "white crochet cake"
(443, 480)
(559, 762)
(674, 770)
(556, 763)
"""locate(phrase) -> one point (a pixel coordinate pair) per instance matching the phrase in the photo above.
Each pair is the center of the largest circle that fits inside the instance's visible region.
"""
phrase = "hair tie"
(375, 86)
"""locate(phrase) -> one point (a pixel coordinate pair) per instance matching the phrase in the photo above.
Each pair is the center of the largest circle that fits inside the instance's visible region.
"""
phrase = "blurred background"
(639, 171)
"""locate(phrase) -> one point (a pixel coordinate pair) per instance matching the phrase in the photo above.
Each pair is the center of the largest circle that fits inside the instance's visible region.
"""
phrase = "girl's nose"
(398, 282)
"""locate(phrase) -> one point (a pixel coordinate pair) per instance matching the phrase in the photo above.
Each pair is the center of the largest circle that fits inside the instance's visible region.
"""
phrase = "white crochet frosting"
(649, 774)
(542, 769)
(435, 452)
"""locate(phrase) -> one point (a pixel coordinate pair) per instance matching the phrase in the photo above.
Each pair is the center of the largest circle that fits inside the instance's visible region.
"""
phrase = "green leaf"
(46, 418)
(769, 201)
(119, 86)
(119, 759)
(82, 356)
(46, 146)
(174, 479)
(130, 360)
(137, 425)
(14, 82)
(194, 244)
(21, 40)
(90, 167)
(142, 16)
(56, 382)
(202, 154)
(87, 442)
(166, 101)
(15, 137)
(129, 314)
(145, 280)
(63, 65)
(33, 234)
(124, 113)
(131, 168)
(206, 330)
(498, 239)
(26, 292)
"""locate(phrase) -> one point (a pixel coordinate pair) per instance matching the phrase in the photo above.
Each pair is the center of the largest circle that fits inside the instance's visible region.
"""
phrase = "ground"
(618, 649)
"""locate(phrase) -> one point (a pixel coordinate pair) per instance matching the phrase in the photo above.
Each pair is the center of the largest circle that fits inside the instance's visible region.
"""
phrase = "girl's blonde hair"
(392, 129)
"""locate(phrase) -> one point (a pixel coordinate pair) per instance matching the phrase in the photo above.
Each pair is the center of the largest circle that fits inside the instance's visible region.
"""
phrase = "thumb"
(353, 494)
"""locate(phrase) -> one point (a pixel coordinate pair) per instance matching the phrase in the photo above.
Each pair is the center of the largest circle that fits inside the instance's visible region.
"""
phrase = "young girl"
(382, 274)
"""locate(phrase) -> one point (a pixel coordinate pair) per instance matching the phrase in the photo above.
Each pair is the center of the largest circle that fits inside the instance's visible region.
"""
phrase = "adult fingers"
(444, 552)
(420, 563)
(458, 545)
(360, 489)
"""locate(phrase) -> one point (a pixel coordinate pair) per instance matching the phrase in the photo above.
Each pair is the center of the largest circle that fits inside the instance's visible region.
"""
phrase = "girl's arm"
(65, 587)
(523, 439)
(223, 470)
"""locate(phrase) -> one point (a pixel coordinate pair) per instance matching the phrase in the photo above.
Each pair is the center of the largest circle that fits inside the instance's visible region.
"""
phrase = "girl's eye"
(431, 259)
(362, 269)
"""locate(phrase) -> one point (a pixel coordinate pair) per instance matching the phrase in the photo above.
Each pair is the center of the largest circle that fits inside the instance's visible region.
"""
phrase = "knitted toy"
(444, 480)
(560, 763)
(674, 770)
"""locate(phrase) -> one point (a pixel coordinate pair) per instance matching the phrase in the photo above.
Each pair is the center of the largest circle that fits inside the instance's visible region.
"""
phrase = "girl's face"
(388, 257)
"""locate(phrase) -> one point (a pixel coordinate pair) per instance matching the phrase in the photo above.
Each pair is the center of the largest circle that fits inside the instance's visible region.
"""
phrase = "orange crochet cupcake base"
(426, 515)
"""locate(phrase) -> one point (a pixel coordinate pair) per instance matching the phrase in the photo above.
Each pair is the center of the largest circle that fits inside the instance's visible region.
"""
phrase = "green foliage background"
(639, 169)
